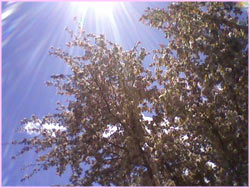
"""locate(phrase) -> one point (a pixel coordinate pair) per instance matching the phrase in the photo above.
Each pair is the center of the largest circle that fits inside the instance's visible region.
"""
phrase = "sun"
(103, 8)
(100, 8)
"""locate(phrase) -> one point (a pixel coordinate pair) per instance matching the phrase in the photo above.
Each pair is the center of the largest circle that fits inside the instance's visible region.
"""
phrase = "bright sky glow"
(99, 8)
(10, 10)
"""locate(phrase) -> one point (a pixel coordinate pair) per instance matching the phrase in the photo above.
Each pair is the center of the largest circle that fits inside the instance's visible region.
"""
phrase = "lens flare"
(99, 8)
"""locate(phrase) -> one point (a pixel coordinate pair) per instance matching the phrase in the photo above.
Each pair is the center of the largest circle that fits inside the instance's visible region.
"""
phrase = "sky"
(28, 31)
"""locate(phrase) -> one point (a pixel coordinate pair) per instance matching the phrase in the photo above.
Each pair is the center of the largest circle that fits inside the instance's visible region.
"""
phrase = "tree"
(196, 90)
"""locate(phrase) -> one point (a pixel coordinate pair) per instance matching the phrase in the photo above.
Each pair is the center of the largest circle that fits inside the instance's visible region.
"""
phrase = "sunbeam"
(100, 9)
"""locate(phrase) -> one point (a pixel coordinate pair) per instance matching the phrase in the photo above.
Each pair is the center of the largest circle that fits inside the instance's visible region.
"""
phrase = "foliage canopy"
(196, 90)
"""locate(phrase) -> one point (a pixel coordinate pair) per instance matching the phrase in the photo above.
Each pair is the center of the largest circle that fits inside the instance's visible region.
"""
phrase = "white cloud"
(111, 129)
(163, 124)
(33, 128)
(185, 137)
(146, 118)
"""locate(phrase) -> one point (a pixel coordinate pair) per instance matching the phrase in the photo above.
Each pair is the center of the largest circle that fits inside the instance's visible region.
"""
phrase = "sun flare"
(99, 8)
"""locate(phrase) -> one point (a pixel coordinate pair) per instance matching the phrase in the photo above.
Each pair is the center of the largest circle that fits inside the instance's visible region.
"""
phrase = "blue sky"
(28, 31)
